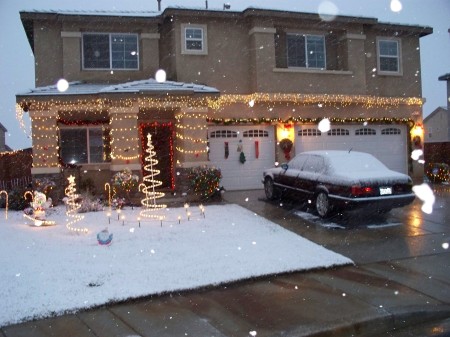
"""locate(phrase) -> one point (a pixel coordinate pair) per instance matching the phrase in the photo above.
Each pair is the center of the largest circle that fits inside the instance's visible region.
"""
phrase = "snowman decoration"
(39, 204)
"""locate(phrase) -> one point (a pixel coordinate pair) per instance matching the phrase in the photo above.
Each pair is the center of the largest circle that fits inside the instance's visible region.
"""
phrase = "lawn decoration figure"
(104, 238)
(39, 204)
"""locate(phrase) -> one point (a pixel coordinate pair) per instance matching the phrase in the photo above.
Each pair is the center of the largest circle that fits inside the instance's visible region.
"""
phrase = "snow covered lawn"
(52, 270)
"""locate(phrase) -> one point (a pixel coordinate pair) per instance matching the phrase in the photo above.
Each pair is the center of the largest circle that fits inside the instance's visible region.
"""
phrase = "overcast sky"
(17, 63)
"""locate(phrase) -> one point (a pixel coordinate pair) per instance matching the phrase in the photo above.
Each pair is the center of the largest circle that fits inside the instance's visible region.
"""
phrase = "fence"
(15, 169)
(15, 183)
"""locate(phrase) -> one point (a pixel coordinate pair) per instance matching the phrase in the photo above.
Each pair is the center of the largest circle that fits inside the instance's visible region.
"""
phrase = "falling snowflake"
(324, 125)
(62, 85)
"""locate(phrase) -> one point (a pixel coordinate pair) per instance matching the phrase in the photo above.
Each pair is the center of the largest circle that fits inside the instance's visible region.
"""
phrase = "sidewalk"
(368, 299)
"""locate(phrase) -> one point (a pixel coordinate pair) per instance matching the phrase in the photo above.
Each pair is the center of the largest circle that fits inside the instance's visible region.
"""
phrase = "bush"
(16, 200)
(438, 172)
(205, 181)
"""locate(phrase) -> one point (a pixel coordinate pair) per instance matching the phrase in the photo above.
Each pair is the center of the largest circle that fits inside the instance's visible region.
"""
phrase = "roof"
(250, 11)
(94, 12)
(3, 128)
(149, 86)
(438, 109)
(445, 77)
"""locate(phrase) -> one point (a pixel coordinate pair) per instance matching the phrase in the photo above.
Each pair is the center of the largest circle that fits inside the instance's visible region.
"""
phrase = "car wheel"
(322, 204)
(270, 189)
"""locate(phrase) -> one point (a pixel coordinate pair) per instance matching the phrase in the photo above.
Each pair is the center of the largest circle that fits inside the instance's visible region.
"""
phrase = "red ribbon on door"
(227, 150)
(256, 149)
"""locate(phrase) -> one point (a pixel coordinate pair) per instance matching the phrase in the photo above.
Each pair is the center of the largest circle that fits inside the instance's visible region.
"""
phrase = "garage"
(229, 144)
(388, 143)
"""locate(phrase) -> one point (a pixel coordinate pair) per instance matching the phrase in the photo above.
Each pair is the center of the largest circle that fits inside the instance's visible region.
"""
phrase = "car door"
(312, 169)
(289, 175)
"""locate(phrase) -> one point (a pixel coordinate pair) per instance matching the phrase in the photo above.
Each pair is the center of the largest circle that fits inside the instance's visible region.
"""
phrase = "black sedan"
(340, 180)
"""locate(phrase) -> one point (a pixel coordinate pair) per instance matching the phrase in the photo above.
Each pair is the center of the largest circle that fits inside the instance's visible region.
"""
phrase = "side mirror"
(284, 166)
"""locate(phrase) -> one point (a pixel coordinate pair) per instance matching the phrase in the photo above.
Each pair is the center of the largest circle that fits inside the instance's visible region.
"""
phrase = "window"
(391, 131)
(297, 162)
(110, 51)
(84, 145)
(338, 132)
(194, 39)
(306, 51)
(314, 164)
(309, 133)
(389, 55)
(223, 134)
(365, 132)
(255, 134)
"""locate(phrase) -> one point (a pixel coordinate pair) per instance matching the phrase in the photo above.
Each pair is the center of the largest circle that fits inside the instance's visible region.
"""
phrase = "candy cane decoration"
(6, 212)
(109, 194)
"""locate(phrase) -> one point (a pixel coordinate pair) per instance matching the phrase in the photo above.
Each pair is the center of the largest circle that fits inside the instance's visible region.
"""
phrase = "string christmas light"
(73, 207)
(189, 124)
(150, 207)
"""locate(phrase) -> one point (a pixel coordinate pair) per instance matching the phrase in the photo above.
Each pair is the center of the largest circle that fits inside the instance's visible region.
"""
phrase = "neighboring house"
(437, 124)
(237, 82)
(437, 131)
(3, 146)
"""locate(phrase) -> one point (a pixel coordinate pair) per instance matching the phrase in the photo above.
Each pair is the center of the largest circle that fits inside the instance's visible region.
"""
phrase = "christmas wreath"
(286, 145)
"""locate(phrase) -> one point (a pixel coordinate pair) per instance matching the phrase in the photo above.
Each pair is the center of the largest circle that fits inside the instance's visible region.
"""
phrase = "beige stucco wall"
(436, 127)
(58, 51)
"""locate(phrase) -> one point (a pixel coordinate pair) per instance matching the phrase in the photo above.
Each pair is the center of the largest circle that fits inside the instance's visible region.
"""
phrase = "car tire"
(322, 204)
(270, 189)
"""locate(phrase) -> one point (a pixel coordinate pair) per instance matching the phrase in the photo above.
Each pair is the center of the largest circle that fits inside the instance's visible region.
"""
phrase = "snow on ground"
(52, 270)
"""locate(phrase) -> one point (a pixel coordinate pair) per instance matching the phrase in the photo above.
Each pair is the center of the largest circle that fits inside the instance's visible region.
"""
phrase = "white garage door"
(225, 146)
(386, 142)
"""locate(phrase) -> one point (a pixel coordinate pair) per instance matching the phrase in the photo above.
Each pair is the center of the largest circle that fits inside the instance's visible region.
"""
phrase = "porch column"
(125, 142)
(192, 139)
(44, 126)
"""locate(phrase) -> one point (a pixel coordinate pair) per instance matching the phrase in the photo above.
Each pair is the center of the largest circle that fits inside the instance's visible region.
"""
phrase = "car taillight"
(358, 191)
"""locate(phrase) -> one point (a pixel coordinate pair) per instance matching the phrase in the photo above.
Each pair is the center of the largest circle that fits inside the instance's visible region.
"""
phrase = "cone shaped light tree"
(73, 207)
(150, 207)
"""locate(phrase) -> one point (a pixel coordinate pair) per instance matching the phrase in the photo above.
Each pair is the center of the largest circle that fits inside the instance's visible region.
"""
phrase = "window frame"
(306, 51)
(87, 129)
(398, 57)
(204, 40)
(111, 61)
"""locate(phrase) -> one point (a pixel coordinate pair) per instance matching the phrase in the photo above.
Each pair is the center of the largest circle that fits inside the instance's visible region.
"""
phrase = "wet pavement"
(399, 285)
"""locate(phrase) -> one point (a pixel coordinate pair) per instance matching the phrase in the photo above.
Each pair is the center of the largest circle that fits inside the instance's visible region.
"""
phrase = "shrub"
(16, 200)
(125, 181)
(88, 204)
(438, 172)
(205, 181)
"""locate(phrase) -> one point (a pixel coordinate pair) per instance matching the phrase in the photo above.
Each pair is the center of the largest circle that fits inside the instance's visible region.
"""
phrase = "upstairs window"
(193, 39)
(110, 51)
(388, 56)
(306, 51)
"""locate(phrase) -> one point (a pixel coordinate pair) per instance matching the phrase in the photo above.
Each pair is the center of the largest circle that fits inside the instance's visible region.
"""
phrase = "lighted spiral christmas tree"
(72, 207)
(150, 207)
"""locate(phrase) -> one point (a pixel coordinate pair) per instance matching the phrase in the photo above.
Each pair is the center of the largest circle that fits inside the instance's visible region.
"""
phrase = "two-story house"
(437, 123)
(237, 82)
